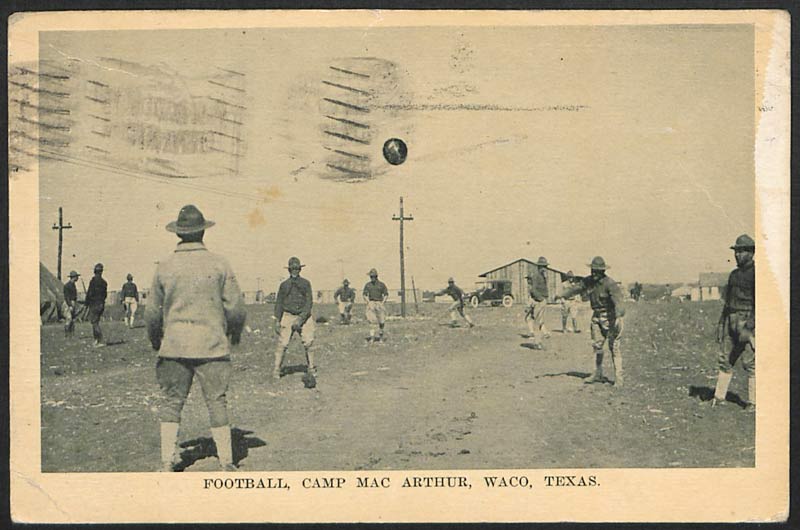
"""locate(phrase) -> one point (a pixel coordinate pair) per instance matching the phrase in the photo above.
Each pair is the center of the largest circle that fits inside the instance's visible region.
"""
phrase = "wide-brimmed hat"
(73, 274)
(744, 242)
(190, 221)
(542, 262)
(130, 276)
(346, 281)
(372, 272)
(294, 263)
(598, 264)
(98, 267)
(450, 280)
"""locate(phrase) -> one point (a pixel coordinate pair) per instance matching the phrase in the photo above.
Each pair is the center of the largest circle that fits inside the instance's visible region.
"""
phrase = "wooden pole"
(402, 218)
(60, 227)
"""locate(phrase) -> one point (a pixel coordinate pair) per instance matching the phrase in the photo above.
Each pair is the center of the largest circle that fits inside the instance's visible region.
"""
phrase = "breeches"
(743, 346)
(175, 378)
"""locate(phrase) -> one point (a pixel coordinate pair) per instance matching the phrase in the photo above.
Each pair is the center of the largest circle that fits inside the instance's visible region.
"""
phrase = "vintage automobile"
(492, 292)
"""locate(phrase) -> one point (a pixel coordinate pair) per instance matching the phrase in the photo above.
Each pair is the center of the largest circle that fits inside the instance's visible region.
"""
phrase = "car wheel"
(474, 301)
(508, 300)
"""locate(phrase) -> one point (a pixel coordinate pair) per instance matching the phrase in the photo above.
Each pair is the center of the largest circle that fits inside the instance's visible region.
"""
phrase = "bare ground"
(431, 397)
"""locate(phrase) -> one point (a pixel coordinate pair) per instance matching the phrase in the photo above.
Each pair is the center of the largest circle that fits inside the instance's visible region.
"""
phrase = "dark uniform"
(345, 296)
(96, 300)
(605, 298)
(457, 307)
(70, 303)
(738, 321)
(534, 315)
(293, 315)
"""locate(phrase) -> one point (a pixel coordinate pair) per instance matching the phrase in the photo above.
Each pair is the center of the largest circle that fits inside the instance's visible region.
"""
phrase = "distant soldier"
(608, 311)
(194, 311)
(569, 306)
(130, 299)
(457, 307)
(738, 320)
(534, 315)
(70, 303)
(96, 300)
(375, 293)
(345, 296)
(293, 315)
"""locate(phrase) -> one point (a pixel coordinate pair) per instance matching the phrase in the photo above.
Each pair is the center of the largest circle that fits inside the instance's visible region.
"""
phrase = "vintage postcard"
(394, 266)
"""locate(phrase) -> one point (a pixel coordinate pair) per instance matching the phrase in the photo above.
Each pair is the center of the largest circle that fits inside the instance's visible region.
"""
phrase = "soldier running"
(738, 320)
(345, 296)
(130, 299)
(534, 315)
(375, 293)
(293, 315)
(608, 311)
(457, 307)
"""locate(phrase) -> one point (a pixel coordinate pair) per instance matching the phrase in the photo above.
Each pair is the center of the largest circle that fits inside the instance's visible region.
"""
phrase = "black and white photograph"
(492, 257)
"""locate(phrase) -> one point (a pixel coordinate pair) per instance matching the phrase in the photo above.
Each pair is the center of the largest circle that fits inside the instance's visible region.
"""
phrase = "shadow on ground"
(707, 393)
(579, 375)
(204, 447)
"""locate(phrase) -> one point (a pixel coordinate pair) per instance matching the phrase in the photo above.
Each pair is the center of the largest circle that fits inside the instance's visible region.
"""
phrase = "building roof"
(713, 279)
(506, 265)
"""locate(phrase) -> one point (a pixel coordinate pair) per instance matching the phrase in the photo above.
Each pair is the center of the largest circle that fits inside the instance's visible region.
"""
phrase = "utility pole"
(60, 227)
(402, 218)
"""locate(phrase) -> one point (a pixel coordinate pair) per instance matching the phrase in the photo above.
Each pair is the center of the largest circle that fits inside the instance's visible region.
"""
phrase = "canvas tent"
(51, 295)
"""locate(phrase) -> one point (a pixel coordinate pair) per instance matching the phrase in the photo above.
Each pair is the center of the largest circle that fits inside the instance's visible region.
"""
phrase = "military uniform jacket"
(740, 293)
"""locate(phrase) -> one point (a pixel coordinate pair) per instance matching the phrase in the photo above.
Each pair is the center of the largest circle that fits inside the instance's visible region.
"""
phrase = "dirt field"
(431, 397)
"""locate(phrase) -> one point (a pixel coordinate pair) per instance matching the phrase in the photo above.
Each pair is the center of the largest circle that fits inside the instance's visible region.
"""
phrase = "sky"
(634, 143)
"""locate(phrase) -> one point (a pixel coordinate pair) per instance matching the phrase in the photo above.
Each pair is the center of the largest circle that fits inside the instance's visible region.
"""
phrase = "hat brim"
(597, 268)
(743, 248)
(290, 268)
(173, 227)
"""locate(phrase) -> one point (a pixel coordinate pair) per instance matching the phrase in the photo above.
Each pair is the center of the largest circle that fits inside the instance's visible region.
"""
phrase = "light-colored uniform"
(375, 293)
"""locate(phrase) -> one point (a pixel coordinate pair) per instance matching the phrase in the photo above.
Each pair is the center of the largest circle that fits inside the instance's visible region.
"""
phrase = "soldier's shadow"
(531, 346)
(204, 447)
(579, 375)
(293, 369)
(707, 393)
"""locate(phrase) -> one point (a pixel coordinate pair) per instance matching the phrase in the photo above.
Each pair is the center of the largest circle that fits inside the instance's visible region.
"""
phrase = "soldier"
(569, 307)
(130, 299)
(96, 300)
(194, 311)
(457, 307)
(608, 311)
(739, 313)
(534, 315)
(293, 315)
(70, 303)
(375, 293)
(345, 296)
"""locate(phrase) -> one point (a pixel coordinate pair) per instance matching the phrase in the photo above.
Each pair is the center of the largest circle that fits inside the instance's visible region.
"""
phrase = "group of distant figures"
(95, 302)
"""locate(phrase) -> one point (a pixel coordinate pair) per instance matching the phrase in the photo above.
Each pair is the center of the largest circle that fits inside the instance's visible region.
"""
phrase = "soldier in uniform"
(345, 296)
(195, 310)
(739, 313)
(70, 303)
(130, 299)
(534, 315)
(457, 307)
(569, 307)
(608, 311)
(96, 300)
(293, 315)
(375, 293)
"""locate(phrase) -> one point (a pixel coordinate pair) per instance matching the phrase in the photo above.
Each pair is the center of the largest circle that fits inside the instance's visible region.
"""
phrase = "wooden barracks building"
(516, 271)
